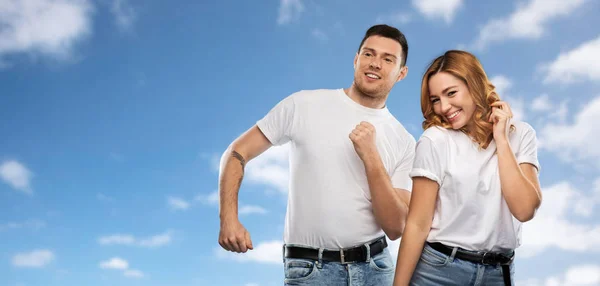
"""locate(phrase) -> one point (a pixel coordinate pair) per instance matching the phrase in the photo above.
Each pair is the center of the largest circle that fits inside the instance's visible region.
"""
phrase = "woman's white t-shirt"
(470, 211)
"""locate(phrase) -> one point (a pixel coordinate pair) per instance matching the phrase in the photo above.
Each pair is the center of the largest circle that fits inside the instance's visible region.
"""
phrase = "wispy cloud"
(576, 141)
(16, 174)
(438, 9)
(177, 203)
(270, 168)
(268, 252)
(34, 224)
(133, 273)
(528, 21)
(104, 198)
(212, 199)
(517, 104)
(319, 34)
(289, 11)
(117, 263)
(579, 275)
(395, 18)
(128, 239)
(124, 14)
(250, 209)
(552, 228)
(47, 27)
(157, 240)
(577, 65)
(541, 103)
(33, 259)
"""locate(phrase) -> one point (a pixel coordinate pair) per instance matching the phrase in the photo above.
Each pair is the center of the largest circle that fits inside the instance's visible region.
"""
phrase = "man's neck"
(365, 100)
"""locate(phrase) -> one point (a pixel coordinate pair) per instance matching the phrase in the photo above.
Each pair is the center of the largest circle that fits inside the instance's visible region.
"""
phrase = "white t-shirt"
(470, 211)
(329, 202)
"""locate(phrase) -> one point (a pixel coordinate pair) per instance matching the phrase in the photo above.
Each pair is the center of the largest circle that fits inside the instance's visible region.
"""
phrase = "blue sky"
(114, 113)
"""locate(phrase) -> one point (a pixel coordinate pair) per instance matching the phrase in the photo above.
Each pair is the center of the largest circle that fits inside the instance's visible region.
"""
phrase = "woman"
(474, 181)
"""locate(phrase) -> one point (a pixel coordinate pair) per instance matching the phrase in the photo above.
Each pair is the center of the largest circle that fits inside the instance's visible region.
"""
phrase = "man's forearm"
(389, 209)
(230, 180)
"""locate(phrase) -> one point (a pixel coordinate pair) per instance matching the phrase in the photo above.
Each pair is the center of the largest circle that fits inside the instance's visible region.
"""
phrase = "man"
(349, 165)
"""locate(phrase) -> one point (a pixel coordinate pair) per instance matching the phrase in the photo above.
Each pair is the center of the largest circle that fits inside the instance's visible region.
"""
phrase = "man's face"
(377, 66)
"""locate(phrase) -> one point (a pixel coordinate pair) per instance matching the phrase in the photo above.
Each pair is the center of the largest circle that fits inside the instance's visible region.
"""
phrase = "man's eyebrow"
(372, 50)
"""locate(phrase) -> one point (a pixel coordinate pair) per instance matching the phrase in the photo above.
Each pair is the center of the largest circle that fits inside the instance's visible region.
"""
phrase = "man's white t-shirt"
(329, 202)
(470, 211)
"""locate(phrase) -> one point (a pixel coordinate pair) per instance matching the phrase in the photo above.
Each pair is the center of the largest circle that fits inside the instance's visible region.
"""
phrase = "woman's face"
(451, 99)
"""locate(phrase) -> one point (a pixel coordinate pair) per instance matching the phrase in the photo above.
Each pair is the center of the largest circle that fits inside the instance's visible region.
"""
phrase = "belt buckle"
(488, 261)
(342, 258)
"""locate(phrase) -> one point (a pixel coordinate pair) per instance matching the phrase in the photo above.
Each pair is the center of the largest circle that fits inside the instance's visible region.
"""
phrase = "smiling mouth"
(372, 76)
(454, 115)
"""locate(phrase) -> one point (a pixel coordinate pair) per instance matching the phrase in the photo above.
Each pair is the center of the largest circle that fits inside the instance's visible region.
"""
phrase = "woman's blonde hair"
(466, 67)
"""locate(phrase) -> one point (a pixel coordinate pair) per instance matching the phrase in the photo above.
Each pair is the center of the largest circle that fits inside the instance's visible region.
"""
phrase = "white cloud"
(503, 84)
(398, 18)
(528, 21)
(541, 103)
(319, 34)
(551, 228)
(438, 9)
(251, 284)
(576, 141)
(270, 168)
(177, 203)
(267, 252)
(104, 198)
(118, 263)
(249, 209)
(125, 239)
(133, 273)
(16, 175)
(128, 239)
(115, 263)
(124, 14)
(48, 27)
(33, 259)
(210, 199)
(213, 200)
(289, 10)
(34, 224)
(157, 240)
(577, 65)
(580, 275)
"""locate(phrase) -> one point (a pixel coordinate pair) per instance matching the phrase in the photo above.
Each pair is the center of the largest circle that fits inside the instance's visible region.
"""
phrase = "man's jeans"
(378, 271)
(436, 268)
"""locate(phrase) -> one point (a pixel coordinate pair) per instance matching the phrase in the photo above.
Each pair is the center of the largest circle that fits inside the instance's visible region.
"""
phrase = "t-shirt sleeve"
(277, 124)
(430, 160)
(400, 177)
(527, 152)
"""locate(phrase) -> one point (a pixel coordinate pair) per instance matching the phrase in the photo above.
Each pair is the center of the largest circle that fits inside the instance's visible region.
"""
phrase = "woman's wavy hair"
(466, 67)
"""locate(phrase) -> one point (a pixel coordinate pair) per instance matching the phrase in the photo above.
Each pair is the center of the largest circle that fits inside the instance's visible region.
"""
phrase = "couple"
(458, 196)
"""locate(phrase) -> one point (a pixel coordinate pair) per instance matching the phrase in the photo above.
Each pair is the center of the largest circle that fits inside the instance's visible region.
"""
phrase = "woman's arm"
(420, 216)
(520, 184)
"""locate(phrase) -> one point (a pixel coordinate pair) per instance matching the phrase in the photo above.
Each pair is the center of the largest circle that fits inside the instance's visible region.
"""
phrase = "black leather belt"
(344, 256)
(486, 258)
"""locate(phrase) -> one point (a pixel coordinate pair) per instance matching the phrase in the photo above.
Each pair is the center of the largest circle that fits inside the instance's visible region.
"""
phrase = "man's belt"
(344, 256)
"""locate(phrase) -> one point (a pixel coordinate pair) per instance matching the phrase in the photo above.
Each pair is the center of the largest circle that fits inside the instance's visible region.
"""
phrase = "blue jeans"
(436, 268)
(378, 271)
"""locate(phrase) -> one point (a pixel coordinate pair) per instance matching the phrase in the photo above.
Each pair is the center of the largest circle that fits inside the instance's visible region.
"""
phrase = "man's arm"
(233, 236)
(390, 205)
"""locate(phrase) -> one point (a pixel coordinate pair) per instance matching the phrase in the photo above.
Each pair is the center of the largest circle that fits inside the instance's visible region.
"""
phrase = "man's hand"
(363, 139)
(233, 236)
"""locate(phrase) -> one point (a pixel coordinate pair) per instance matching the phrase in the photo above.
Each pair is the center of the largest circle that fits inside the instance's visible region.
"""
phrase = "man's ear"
(403, 73)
